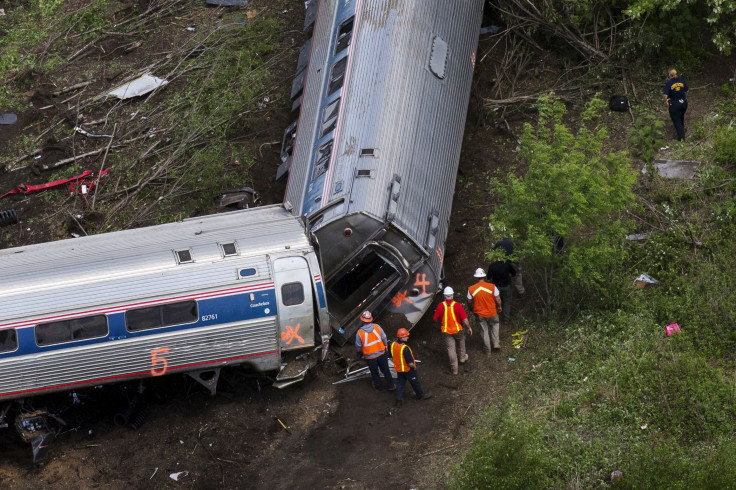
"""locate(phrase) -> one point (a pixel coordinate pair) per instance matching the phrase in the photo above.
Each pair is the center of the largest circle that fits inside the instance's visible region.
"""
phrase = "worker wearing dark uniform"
(675, 94)
(500, 274)
(406, 369)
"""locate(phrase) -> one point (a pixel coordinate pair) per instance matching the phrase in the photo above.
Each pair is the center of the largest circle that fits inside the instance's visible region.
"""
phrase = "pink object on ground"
(672, 328)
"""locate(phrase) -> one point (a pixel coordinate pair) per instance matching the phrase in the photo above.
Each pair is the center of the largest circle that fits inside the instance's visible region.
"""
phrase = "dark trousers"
(506, 293)
(382, 363)
(413, 379)
(677, 114)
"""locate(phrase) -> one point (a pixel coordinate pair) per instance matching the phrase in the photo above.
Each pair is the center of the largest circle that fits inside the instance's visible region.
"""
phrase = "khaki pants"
(455, 344)
(483, 324)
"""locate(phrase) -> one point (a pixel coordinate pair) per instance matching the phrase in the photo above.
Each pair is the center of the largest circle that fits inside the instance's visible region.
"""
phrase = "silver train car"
(382, 92)
(242, 287)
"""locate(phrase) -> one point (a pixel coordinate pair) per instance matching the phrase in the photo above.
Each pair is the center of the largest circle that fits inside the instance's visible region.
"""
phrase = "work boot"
(496, 346)
(393, 388)
(464, 359)
(399, 403)
(426, 396)
(451, 372)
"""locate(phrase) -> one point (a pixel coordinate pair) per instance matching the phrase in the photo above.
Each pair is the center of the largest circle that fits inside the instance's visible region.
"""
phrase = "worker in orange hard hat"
(406, 369)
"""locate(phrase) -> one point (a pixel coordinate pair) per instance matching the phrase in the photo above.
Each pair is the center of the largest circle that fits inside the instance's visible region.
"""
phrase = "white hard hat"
(479, 272)
(448, 292)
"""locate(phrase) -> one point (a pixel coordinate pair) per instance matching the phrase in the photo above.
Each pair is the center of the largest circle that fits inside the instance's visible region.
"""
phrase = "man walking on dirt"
(508, 247)
(485, 301)
(453, 318)
(406, 369)
(500, 274)
(370, 342)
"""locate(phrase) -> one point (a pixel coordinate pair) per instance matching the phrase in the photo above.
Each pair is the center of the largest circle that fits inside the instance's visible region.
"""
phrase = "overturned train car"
(235, 288)
(381, 91)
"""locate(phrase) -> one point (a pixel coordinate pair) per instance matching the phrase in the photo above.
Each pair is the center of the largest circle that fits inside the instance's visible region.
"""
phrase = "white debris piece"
(139, 86)
(178, 475)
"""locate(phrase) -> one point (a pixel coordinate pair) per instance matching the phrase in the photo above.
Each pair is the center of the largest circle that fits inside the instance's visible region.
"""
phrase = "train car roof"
(120, 266)
(403, 109)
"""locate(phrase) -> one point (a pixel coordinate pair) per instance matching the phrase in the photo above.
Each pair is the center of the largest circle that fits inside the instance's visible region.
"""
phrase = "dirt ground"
(340, 436)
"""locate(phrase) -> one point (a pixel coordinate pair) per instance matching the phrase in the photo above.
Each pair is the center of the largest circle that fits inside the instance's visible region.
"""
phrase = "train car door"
(293, 283)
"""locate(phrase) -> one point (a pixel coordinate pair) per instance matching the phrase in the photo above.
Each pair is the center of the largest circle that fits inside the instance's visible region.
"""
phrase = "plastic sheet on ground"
(674, 169)
(139, 86)
(8, 118)
(644, 281)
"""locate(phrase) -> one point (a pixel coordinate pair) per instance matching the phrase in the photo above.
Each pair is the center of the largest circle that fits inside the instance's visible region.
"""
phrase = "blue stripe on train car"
(215, 311)
(321, 295)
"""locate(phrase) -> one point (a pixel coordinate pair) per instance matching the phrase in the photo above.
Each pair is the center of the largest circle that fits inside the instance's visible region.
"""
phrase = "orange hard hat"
(402, 332)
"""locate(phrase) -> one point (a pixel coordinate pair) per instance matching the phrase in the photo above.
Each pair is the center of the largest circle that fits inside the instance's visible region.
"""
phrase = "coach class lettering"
(159, 363)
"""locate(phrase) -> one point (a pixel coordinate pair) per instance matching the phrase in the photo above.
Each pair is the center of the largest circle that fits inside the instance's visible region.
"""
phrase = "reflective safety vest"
(484, 300)
(449, 322)
(397, 354)
(372, 341)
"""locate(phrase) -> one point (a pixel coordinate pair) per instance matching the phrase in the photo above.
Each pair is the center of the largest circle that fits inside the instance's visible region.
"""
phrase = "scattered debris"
(672, 328)
(178, 475)
(140, 86)
(228, 3)
(363, 372)
(674, 169)
(238, 198)
(638, 236)
(490, 30)
(83, 131)
(8, 218)
(282, 424)
(26, 189)
(518, 339)
(616, 476)
(190, 29)
(644, 281)
(155, 470)
(2, 11)
(8, 118)
(644, 426)
(511, 359)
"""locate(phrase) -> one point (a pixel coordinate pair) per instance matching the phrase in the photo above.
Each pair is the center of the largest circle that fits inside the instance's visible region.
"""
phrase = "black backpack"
(619, 103)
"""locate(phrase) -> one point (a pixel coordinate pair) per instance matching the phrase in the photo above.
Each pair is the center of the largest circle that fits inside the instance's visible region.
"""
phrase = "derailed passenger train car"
(242, 287)
(382, 92)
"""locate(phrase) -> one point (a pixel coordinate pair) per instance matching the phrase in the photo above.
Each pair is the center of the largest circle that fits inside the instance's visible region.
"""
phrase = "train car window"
(183, 256)
(438, 57)
(8, 340)
(161, 316)
(337, 76)
(323, 159)
(83, 328)
(329, 116)
(292, 293)
(229, 249)
(247, 272)
(344, 35)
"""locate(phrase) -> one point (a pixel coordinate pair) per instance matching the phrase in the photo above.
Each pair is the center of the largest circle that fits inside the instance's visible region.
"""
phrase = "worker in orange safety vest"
(485, 301)
(406, 369)
(453, 318)
(370, 342)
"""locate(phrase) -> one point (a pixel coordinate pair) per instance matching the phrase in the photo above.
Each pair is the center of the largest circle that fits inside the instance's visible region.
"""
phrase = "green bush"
(645, 137)
(724, 146)
(507, 453)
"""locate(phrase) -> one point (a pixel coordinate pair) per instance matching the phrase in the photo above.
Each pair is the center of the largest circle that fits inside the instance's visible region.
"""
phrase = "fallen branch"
(71, 87)
(71, 159)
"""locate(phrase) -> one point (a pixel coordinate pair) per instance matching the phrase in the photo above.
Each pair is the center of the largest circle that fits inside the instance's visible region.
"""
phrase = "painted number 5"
(158, 363)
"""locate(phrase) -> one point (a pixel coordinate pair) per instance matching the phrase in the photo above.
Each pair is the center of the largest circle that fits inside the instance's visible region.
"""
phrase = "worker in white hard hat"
(453, 318)
(485, 301)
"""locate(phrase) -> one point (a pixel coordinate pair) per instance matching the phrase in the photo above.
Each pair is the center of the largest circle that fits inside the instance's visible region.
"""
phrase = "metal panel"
(411, 118)
(253, 342)
(122, 267)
